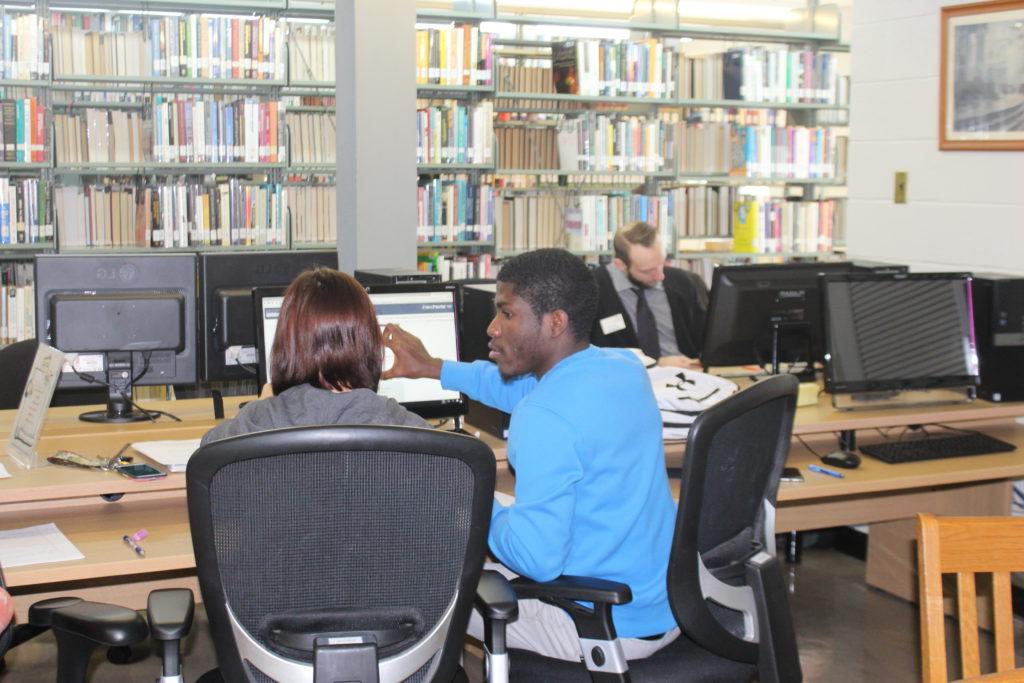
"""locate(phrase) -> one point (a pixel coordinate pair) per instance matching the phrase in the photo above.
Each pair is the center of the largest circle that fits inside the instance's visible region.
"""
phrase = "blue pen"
(824, 470)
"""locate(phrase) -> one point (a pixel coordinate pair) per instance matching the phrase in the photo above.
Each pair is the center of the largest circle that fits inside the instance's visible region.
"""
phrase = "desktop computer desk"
(884, 496)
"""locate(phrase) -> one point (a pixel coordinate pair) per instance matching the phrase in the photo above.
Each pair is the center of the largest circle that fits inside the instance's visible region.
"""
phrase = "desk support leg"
(794, 547)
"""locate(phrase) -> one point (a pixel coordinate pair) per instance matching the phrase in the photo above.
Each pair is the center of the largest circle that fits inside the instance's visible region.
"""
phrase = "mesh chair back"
(730, 477)
(353, 519)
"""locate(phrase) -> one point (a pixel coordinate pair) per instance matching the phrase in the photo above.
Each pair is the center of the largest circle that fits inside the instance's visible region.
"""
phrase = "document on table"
(173, 455)
(36, 545)
(4, 474)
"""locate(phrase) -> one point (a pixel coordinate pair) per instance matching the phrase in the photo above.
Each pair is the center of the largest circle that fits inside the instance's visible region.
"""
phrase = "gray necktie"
(646, 329)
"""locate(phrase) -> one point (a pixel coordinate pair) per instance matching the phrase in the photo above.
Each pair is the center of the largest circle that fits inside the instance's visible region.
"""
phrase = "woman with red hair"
(325, 363)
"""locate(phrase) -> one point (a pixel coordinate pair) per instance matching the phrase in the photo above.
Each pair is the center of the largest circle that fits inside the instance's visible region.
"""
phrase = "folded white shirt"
(684, 394)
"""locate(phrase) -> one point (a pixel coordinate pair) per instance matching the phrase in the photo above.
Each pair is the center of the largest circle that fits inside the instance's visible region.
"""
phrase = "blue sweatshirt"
(592, 496)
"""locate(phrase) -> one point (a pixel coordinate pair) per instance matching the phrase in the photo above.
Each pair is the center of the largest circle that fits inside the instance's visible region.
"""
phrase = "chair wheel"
(119, 655)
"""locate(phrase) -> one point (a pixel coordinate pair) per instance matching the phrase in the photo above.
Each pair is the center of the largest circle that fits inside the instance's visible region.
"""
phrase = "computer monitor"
(426, 310)
(227, 323)
(898, 332)
(123, 320)
(766, 314)
(475, 315)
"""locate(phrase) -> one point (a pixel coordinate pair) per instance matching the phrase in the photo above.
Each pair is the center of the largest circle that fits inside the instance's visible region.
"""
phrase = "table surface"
(70, 496)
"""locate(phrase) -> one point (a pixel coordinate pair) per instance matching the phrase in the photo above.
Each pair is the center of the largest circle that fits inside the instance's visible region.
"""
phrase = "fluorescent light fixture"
(543, 31)
(624, 7)
(733, 11)
(150, 13)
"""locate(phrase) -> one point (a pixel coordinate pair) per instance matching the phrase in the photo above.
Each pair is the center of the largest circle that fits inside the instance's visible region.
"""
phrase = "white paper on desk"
(173, 455)
(36, 545)
(4, 474)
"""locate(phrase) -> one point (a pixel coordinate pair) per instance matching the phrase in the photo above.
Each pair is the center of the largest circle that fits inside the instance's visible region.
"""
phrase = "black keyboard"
(934, 447)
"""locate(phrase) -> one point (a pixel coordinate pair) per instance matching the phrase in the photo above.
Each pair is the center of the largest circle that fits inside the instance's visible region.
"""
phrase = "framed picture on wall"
(981, 77)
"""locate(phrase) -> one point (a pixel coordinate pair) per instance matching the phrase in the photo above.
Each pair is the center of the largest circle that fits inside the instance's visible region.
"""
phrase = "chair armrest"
(495, 598)
(777, 652)
(575, 588)
(170, 612)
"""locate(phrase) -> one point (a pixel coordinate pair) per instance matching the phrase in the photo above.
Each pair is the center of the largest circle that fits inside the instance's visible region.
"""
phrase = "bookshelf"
(765, 141)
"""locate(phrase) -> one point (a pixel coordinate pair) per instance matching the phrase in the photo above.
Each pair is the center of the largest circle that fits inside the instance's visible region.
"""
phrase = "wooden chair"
(967, 546)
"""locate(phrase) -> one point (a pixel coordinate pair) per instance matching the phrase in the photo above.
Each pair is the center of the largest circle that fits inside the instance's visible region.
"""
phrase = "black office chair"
(340, 552)
(80, 627)
(724, 583)
(15, 365)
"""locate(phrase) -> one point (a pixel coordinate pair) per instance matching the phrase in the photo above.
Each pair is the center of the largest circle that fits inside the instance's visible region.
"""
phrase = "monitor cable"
(149, 413)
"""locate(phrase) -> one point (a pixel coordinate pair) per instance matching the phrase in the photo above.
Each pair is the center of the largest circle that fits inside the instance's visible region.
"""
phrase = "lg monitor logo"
(126, 272)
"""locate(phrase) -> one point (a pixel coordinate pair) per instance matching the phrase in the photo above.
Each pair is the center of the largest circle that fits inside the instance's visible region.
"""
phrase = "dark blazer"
(687, 299)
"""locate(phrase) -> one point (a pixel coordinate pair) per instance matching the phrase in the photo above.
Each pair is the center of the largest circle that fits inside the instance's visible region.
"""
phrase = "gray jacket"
(306, 405)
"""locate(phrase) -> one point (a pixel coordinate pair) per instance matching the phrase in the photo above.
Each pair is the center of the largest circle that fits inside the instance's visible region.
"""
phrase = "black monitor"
(123, 320)
(898, 332)
(428, 311)
(227, 324)
(766, 314)
(476, 312)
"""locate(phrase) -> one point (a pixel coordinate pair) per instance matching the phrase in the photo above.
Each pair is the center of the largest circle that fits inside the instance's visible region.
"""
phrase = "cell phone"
(141, 471)
(792, 474)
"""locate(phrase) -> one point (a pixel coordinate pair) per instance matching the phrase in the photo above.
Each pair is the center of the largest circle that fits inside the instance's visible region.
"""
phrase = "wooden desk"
(884, 496)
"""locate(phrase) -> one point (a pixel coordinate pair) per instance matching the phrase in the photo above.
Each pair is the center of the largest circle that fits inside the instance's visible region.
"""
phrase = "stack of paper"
(36, 545)
(173, 455)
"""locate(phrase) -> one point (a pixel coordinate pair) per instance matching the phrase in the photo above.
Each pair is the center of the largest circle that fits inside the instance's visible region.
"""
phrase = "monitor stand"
(119, 393)
(807, 374)
(460, 425)
(904, 398)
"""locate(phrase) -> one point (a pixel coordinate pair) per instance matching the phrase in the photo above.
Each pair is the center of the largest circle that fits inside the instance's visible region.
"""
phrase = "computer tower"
(999, 331)
(394, 276)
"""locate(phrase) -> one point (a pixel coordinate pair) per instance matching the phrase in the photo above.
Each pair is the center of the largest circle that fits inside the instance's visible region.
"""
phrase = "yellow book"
(744, 226)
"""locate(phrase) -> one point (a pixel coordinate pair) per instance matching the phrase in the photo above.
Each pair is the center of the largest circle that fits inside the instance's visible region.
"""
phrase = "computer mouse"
(847, 459)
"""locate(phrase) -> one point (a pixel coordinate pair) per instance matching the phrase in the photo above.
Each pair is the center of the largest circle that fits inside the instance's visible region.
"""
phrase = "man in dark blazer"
(669, 303)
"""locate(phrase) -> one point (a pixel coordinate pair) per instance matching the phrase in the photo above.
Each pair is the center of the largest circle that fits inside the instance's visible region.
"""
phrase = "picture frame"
(981, 98)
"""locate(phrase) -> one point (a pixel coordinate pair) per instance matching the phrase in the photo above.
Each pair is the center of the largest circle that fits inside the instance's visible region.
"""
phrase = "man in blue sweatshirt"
(591, 495)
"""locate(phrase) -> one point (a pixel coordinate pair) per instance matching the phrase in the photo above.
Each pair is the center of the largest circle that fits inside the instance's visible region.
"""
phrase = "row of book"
(781, 74)
(602, 142)
(527, 75)
(314, 213)
(649, 69)
(458, 267)
(17, 314)
(190, 213)
(452, 132)
(457, 55)
(189, 129)
(762, 151)
(101, 136)
(22, 129)
(23, 48)
(767, 226)
(612, 68)
(188, 46)
(584, 222)
(25, 211)
(312, 137)
(758, 73)
(311, 52)
(454, 207)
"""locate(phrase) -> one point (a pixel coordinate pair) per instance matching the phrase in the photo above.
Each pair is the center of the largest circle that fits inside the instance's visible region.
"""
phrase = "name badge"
(613, 323)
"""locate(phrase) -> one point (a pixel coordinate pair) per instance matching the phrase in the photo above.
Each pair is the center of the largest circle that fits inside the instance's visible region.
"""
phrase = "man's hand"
(680, 362)
(411, 358)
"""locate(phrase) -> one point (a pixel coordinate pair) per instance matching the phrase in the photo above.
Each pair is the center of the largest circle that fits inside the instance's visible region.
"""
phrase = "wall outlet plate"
(899, 190)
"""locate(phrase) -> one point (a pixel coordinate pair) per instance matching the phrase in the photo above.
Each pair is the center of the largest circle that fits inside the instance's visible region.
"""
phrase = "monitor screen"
(425, 310)
(897, 332)
(226, 284)
(755, 307)
(139, 306)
